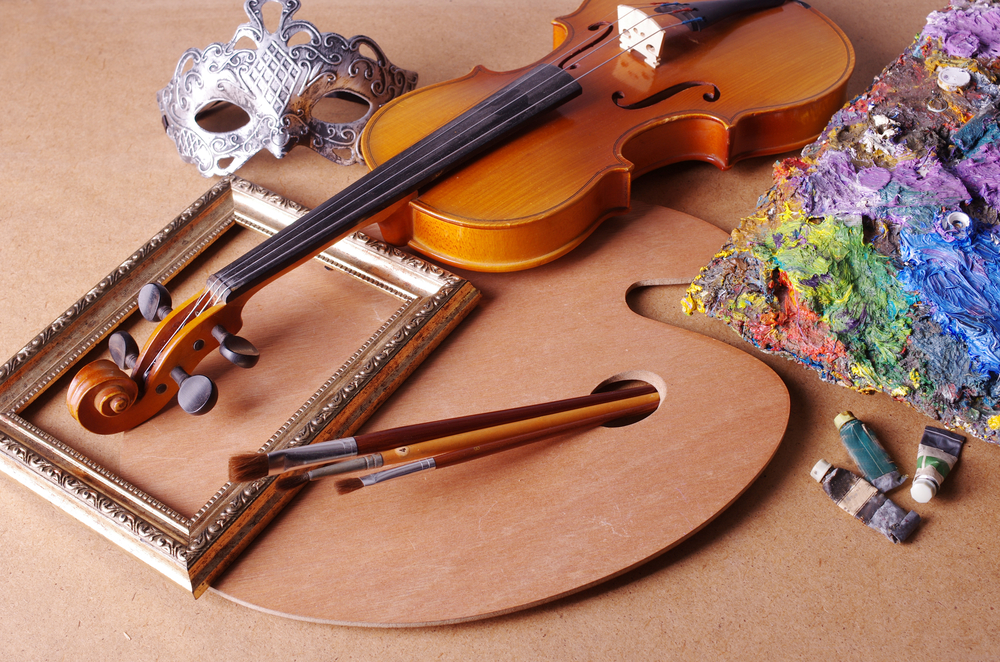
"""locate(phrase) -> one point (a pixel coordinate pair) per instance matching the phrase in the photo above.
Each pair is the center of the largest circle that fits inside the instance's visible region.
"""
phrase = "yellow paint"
(937, 61)
(993, 422)
(691, 303)
(864, 372)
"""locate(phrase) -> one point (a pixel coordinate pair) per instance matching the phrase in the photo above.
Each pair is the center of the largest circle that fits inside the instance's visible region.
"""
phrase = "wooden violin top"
(759, 83)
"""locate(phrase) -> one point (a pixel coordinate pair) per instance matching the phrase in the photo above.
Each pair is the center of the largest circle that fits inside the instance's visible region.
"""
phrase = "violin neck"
(542, 88)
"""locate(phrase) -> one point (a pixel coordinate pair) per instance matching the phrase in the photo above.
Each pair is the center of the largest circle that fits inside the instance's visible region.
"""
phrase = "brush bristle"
(247, 467)
(348, 485)
(292, 481)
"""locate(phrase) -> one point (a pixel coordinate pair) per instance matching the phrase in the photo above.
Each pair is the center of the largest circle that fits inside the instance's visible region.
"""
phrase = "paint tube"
(866, 451)
(862, 500)
(936, 456)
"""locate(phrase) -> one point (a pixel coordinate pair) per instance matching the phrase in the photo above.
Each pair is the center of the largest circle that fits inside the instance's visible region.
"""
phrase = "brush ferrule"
(347, 466)
(401, 470)
(307, 456)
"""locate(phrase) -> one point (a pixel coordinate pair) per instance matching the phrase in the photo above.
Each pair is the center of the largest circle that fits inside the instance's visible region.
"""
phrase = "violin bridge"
(640, 33)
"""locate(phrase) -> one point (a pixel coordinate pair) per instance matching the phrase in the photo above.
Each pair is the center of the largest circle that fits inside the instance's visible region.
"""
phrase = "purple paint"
(966, 33)
(928, 176)
(981, 172)
(874, 178)
(961, 44)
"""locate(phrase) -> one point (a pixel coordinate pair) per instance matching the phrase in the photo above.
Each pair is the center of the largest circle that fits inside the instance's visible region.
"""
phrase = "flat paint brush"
(345, 486)
(251, 466)
(472, 438)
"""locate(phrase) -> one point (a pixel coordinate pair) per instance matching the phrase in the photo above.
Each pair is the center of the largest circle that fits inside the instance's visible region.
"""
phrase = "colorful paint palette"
(875, 257)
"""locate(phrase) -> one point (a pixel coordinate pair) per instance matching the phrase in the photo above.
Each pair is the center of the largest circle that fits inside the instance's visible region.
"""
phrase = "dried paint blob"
(875, 257)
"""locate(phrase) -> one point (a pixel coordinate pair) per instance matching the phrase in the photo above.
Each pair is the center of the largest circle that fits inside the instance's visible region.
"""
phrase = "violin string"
(587, 52)
(195, 311)
(204, 302)
(279, 248)
(216, 287)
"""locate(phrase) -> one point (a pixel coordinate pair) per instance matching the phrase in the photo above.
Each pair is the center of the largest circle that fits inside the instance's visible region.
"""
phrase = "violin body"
(755, 84)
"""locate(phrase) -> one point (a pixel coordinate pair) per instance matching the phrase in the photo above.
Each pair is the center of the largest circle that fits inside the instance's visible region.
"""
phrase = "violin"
(505, 171)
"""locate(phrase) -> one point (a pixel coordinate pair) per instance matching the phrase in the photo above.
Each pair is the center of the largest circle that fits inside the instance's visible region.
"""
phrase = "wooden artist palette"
(533, 524)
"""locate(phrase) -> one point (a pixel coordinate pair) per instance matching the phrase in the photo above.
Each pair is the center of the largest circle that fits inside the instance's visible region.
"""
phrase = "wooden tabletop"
(88, 175)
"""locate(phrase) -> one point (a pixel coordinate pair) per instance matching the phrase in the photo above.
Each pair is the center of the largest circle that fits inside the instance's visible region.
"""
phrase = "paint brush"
(469, 439)
(251, 466)
(348, 485)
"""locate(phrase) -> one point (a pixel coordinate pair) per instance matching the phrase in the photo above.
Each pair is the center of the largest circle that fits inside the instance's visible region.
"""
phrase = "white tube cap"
(953, 78)
(923, 491)
(819, 470)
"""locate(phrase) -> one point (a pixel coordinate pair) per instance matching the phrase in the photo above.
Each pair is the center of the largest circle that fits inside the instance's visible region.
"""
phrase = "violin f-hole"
(590, 44)
(662, 95)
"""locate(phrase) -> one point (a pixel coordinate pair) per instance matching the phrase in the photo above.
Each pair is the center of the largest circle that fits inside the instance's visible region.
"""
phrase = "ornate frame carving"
(192, 551)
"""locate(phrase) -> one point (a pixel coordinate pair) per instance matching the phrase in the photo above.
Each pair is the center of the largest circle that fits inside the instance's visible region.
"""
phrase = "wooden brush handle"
(373, 442)
(604, 411)
(482, 450)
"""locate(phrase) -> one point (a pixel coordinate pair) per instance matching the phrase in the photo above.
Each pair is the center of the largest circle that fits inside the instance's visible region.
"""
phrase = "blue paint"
(958, 278)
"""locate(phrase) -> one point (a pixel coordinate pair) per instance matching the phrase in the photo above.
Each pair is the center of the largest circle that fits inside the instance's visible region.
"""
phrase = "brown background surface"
(88, 175)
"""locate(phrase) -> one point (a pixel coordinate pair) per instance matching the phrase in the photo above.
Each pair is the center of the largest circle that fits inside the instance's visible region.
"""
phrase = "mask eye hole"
(221, 117)
(340, 107)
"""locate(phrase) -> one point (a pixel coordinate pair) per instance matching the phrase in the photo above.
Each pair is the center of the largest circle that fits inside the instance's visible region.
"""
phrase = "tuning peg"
(154, 302)
(236, 349)
(124, 350)
(197, 394)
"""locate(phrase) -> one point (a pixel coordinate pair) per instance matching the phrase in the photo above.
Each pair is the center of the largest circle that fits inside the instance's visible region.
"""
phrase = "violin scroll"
(105, 399)
(103, 384)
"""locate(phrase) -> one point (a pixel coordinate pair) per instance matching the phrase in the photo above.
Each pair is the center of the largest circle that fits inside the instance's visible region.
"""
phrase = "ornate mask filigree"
(277, 86)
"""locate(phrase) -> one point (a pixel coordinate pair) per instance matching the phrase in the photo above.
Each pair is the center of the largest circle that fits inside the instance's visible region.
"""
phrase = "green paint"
(850, 287)
(939, 465)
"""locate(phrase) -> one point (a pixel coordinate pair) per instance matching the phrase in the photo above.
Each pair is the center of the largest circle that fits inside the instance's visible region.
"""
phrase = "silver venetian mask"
(277, 87)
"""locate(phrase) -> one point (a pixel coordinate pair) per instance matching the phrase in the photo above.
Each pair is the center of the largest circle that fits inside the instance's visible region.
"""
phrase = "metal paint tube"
(936, 456)
(866, 451)
(862, 500)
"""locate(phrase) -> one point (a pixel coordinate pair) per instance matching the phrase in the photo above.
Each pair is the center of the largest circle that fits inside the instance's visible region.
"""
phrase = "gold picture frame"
(192, 551)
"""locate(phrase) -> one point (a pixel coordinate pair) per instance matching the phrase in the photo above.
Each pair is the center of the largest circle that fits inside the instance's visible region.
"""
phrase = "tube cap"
(953, 78)
(819, 470)
(842, 418)
(922, 491)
